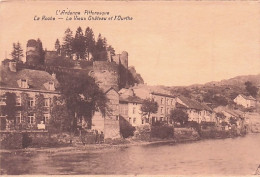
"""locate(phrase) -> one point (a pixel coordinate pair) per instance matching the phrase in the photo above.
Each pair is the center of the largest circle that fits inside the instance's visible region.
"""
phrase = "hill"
(215, 93)
(237, 81)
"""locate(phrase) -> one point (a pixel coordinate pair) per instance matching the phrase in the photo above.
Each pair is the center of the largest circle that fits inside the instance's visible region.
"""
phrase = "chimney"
(12, 66)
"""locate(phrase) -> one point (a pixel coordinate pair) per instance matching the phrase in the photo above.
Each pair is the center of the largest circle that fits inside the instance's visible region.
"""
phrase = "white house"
(196, 111)
(130, 110)
(165, 100)
(246, 101)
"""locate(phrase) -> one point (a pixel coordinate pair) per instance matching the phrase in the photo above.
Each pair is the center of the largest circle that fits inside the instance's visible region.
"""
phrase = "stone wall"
(106, 74)
(111, 129)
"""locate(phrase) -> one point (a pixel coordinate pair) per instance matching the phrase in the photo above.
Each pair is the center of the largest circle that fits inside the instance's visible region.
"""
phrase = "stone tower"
(32, 54)
(124, 59)
(106, 74)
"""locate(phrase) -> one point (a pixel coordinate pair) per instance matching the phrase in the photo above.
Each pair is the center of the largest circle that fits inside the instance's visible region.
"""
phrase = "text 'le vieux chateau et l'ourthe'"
(89, 15)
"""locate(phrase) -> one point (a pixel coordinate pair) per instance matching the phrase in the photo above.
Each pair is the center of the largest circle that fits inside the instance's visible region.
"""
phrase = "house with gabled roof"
(34, 90)
(198, 112)
(246, 101)
(130, 110)
(228, 113)
(165, 100)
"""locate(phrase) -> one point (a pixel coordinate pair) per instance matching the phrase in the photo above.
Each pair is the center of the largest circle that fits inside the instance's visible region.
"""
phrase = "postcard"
(130, 88)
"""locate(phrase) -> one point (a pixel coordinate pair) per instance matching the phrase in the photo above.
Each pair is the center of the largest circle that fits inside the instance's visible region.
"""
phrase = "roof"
(131, 99)
(162, 94)
(232, 113)
(107, 89)
(248, 97)
(143, 91)
(192, 104)
(35, 78)
(235, 113)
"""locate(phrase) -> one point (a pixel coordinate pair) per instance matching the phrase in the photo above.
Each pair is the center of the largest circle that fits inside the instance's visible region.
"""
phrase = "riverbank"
(104, 146)
(57, 142)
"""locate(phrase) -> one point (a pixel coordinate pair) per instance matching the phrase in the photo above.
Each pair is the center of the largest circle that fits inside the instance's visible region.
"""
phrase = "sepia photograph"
(130, 88)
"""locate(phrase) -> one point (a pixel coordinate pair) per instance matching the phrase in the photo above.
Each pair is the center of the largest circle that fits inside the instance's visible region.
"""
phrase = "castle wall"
(109, 124)
(111, 127)
(106, 74)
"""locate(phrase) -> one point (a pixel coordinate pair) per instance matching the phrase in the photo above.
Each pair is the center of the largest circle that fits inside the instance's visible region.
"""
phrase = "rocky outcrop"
(134, 77)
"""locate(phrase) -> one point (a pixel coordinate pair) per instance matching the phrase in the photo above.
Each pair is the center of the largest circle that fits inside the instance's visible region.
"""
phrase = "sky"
(170, 43)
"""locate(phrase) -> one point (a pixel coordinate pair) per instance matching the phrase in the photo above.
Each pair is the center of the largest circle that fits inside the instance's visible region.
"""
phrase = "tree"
(178, 115)
(40, 51)
(100, 53)
(89, 42)
(17, 52)
(220, 116)
(233, 121)
(251, 89)
(111, 50)
(78, 44)
(149, 107)
(67, 42)
(57, 46)
(82, 97)
(60, 118)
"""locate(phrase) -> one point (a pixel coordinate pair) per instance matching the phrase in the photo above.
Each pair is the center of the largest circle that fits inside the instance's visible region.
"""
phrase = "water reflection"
(238, 156)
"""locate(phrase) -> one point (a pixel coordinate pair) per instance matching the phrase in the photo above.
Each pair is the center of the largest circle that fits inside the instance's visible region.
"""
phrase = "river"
(232, 156)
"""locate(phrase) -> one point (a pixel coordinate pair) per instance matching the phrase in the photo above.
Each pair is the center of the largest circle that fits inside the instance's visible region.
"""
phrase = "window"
(126, 111)
(162, 110)
(24, 83)
(130, 120)
(2, 100)
(133, 110)
(31, 102)
(171, 102)
(18, 100)
(2, 115)
(161, 100)
(117, 117)
(30, 118)
(134, 120)
(142, 121)
(18, 117)
(168, 111)
(46, 117)
(46, 102)
(51, 86)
